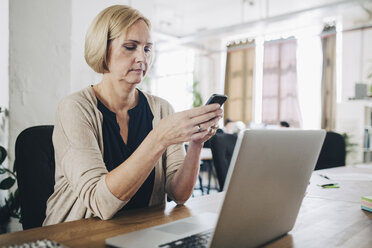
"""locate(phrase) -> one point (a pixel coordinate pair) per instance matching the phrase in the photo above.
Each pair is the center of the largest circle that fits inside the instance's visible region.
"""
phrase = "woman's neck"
(119, 97)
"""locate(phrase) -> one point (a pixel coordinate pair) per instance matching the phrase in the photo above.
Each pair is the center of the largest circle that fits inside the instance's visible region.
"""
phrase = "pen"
(329, 185)
(324, 176)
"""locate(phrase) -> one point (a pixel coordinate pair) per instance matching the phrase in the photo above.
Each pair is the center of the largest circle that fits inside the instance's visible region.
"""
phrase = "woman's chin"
(133, 80)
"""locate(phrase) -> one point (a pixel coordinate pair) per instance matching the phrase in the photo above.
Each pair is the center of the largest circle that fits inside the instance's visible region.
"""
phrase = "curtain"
(328, 91)
(239, 82)
(279, 83)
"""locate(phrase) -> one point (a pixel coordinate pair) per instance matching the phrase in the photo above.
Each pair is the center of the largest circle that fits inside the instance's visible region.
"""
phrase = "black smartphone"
(217, 98)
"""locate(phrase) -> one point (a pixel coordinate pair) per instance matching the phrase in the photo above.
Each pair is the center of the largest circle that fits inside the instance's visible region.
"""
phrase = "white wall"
(4, 52)
(47, 56)
(209, 68)
(83, 13)
(356, 62)
(4, 79)
(4, 76)
(39, 65)
(81, 74)
(357, 57)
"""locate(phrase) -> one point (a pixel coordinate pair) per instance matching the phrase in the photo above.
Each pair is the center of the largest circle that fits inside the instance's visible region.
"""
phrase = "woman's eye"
(147, 49)
(130, 48)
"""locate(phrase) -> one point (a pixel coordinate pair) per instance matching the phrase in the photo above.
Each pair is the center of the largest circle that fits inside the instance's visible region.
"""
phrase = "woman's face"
(130, 54)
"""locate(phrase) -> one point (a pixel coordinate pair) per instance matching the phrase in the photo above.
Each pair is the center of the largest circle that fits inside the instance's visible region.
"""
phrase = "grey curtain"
(328, 93)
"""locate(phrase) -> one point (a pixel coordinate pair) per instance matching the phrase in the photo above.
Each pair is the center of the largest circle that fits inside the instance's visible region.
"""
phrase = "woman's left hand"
(208, 133)
(183, 182)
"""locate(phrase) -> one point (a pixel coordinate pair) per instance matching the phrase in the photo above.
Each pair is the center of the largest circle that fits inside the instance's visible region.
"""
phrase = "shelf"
(369, 98)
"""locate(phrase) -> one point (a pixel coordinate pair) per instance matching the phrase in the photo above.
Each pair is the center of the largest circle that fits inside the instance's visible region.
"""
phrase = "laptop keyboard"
(45, 243)
(196, 240)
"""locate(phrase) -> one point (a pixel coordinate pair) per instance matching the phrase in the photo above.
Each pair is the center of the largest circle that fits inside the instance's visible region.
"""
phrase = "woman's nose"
(140, 55)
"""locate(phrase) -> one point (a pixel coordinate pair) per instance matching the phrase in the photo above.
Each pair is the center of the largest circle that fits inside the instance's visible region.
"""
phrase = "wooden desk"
(327, 218)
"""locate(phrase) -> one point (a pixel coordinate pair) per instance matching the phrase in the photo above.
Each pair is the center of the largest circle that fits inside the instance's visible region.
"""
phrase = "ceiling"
(192, 19)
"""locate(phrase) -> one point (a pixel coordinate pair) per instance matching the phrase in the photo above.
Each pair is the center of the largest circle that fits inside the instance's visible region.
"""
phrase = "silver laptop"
(265, 185)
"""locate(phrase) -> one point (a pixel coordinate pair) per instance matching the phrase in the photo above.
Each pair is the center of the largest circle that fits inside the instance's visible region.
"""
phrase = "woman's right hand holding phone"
(193, 124)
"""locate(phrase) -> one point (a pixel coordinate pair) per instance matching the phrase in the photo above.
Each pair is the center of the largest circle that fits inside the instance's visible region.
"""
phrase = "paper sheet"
(350, 176)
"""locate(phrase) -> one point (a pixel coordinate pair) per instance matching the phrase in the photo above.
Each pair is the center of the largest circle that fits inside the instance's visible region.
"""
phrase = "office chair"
(34, 164)
(333, 152)
(207, 165)
(222, 146)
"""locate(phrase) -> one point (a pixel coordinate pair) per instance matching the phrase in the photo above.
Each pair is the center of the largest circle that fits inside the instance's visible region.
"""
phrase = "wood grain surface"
(327, 218)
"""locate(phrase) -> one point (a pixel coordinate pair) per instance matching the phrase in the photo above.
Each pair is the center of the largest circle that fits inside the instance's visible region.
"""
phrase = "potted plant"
(197, 99)
(11, 205)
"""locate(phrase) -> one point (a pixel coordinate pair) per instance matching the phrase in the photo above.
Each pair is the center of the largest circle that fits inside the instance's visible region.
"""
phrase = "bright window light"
(339, 61)
(173, 77)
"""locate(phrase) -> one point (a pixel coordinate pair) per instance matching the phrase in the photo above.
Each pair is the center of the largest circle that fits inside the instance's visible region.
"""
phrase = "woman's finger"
(192, 113)
(199, 135)
(212, 131)
(206, 117)
(203, 136)
(197, 129)
(210, 123)
(216, 126)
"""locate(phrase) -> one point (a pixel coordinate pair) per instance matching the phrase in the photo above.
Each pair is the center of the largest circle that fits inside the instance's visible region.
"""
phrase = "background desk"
(327, 218)
(206, 154)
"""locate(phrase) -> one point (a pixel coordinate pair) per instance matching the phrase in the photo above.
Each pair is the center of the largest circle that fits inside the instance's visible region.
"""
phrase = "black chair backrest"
(222, 146)
(333, 152)
(34, 164)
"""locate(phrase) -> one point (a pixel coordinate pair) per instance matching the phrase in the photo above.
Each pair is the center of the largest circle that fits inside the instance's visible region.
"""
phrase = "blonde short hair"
(109, 24)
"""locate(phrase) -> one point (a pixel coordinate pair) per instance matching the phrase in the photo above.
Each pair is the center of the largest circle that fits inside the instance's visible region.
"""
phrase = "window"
(173, 77)
(279, 83)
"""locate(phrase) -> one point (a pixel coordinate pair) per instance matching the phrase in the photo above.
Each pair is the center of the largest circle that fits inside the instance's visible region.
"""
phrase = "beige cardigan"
(80, 190)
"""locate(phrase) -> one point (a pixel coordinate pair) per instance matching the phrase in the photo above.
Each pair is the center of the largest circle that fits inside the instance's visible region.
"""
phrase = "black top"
(115, 149)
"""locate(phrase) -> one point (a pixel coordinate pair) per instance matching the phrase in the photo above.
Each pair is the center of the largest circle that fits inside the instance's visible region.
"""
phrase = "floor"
(204, 172)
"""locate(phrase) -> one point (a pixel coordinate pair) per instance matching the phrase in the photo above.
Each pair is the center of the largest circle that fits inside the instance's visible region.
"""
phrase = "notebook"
(266, 182)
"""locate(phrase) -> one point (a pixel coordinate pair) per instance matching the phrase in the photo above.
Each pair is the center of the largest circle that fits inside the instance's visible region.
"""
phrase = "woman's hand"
(208, 134)
(195, 125)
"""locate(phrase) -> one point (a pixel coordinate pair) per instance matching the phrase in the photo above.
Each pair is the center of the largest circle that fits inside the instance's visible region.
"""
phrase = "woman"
(115, 146)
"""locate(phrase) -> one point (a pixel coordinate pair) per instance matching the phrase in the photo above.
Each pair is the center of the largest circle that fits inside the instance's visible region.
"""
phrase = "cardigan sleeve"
(76, 145)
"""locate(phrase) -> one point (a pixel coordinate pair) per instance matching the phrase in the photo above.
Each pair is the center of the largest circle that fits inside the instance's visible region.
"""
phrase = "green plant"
(5, 111)
(11, 207)
(369, 76)
(197, 99)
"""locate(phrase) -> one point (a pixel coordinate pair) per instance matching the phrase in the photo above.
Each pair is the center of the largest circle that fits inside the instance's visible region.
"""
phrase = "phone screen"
(217, 98)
